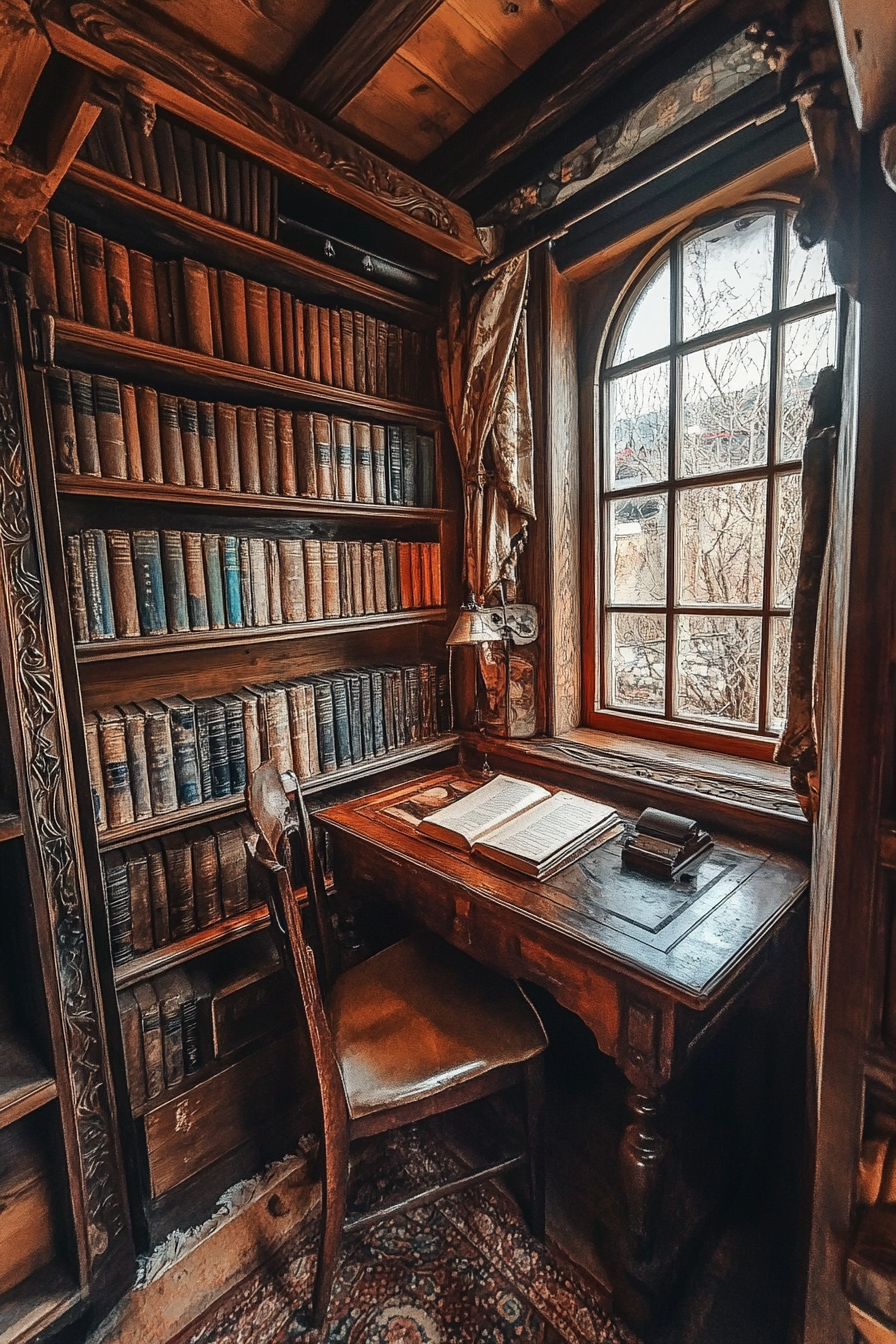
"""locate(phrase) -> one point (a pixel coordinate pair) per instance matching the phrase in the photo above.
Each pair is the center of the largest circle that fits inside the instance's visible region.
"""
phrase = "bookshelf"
(370, 670)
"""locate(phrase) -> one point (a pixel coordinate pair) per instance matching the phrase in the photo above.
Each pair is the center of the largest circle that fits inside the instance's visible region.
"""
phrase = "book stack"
(83, 276)
(186, 167)
(160, 756)
(102, 427)
(126, 584)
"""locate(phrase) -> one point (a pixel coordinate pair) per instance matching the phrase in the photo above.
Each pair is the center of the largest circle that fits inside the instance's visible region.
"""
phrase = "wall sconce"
(507, 659)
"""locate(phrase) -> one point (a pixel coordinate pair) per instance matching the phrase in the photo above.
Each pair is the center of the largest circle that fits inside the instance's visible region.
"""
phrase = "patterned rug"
(462, 1271)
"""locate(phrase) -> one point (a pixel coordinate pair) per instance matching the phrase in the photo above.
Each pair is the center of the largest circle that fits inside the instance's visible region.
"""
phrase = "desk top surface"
(691, 935)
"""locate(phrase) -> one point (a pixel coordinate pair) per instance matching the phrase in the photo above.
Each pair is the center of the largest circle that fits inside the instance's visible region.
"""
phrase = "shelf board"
(10, 821)
(184, 226)
(97, 350)
(333, 510)
(225, 807)
(114, 650)
(33, 1306)
(162, 958)
(25, 1084)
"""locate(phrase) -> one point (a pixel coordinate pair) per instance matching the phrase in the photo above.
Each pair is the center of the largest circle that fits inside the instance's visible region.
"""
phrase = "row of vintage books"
(126, 584)
(165, 889)
(102, 427)
(163, 755)
(83, 276)
(173, 160)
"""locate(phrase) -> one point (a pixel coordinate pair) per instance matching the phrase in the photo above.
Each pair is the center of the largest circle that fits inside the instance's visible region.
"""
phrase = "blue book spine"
(426, 476)
(326, 737)
(232, 599)
(214, 581)
(218, 749)
(186, 756)
(356, 731)
(175, 582)
(97, 588)
(341, 729)
(149, 583)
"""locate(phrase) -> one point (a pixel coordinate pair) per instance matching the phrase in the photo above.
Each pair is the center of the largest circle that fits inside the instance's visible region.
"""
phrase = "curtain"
(484, 367)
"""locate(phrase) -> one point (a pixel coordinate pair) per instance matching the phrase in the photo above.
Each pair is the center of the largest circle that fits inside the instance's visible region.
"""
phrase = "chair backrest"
(276, 828)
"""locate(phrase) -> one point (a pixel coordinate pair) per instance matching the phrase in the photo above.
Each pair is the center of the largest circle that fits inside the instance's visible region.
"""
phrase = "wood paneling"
(257, 34)
(405, 111)
(453, 52)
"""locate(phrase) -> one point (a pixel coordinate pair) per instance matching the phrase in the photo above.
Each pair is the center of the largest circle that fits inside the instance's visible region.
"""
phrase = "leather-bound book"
(292, 579)
(314, 588)
(116, 775)
(389, 728)
(175, 577)
(370, 355)
(164, 306)
(360, 353)
(347, 327)
(150, 434)
(132, 139)
(411, 677)
(149, 583)
(131, 424)
(275, 330)
(341, 720)
(426, 471)
(393, 581)
(178, 304)
(312, 342)
(166, 159)
(118, 907)
(188, 417)
(234, 192)
(158, 892)
(233, 317)
(249, 207)
(286, 454)
(212, 561)
(268, 451)
(232, 868)
(409, 464)
(182, 717)
(356, 565)
(257, 325)
(393, 362)
(405, 577)
(313, 758)
(74, 570)
(323, 457)
(279, 739)
(159, 757)
(246, 595)
(206, 886)
(435, 548)
(92, 270)
(95, 770)
(235, 740)
(342, 445)
(443, 704)
(265, 216)
(395, 478)
(335, 329)
(141, 909)
(380, 599)
(39, 251)
(346, 596)
(121, 578)
(306, 464)
(299, 329)
(186, 170)
(227, 436)
(379, 731)
(416, 576)
(367, 736)
(189, 1019)
(298, 728)
(326, 732)
(288, 330)
(109, 428)
(259, 579)
(62, 412)
(426, 572)
(132, 1045)
(324, 344)
(272, 567)
(233, 605)
(329, 554)
(214, 303)
(65, 265)
(249, 449)
(151, 1028)
(198, 307)
(208, 445)
(118, 287)
(97, 584)
(382, 348)
(367, 577)
(218, 168)
(203, 175)
(138, 762)
(170, 991)
(378, 463)
(361, 438)
(214, 765)
(194, 570)
(173, 464)
(85, 423)
(143, 296)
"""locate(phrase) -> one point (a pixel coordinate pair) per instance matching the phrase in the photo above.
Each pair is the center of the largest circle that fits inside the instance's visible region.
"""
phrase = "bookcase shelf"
(332, 510)
(163, 958)
(96, 350)
(113, 650)
(25, 1084)
(238, 250)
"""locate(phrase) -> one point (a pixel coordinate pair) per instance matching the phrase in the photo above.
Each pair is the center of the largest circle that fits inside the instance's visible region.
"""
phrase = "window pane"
(779, 654)
(647, 326)
(788, 528)
(717, 667)
(637, 550)
(636, 675)
(808, 346)
(808, 276)
(721, 543)
(638, 432)
(724, 406)
(727, 274)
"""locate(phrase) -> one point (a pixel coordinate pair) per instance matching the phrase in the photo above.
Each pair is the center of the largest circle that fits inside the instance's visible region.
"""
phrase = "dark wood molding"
(363, 49)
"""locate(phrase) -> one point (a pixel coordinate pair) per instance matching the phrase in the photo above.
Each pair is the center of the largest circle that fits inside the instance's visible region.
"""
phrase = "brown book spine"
(426, 572)
(335, 346)
(288, 328)
(163, 302)
(116, 776)
(344, 464)
(380, 599)
(150, 435)
(95, 770)
(298, 730)
(326, 350)
(233, 317)
(74, 568)
(363, 461)
(227, 435)
(292, 579)
(197, 303)
(286, 454)
(121, 580)
(131, 422)
(276, 713)
(178, 304)
(39, 250)
(150, 1022)
(206, 886)
(138, 766)
(367, 577)
(323, 457)
(172, 448)
(312, 343)
(435, 548)
(306, 469)
(275, 329)
(347, 320)
(194, 572)
(346, 580)
(272, 566)
(360, 353)
(92, 270)
(329, 557)
(416, 576)
(214, 303)
(138, 881)
(250, 457)
(65, 267)
(188, 415)
(257, 325)
(65, 439)
(299, 329)
(405, 581)
(132, 1046)
(393, 364)
(382, 350)
(85, 423)
(268, 452)
(259, 576)
(118, 285)
(370, 354)
(110, 428)
(208, 445)
(314, 588)
(143, 296)
(158, 893)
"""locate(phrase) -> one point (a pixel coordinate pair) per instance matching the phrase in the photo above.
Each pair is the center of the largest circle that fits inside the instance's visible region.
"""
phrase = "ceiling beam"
(363, 49)
(598, 52)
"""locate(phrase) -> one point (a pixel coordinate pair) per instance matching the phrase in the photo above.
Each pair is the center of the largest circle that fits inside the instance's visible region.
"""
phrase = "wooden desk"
(653, 969)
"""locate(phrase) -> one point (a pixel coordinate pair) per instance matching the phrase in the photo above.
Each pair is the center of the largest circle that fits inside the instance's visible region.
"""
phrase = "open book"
(523, 826)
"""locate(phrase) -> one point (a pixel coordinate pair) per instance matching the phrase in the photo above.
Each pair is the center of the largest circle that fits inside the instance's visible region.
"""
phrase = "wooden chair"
(416, 1030)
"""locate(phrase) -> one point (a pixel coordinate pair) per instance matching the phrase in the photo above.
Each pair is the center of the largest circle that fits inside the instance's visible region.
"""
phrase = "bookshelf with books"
(248, 517)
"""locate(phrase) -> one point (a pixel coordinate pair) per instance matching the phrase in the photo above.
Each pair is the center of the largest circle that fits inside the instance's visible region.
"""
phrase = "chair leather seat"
(421, 1015)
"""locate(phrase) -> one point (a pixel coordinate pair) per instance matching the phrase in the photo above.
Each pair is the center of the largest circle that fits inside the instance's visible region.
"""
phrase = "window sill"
(751, 799)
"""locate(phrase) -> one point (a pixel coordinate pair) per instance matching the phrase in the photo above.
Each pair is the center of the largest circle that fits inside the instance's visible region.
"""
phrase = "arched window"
(702, 402)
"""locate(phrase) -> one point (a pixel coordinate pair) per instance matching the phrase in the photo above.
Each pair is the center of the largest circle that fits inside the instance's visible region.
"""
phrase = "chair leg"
(535, 1142)
(334, 1189)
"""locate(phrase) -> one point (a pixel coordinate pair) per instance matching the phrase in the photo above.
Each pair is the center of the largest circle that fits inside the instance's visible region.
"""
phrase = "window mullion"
(774, 398)
(675, 308)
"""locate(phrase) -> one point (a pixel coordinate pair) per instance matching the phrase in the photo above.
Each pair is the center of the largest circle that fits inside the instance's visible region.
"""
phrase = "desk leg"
(642, 1156)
